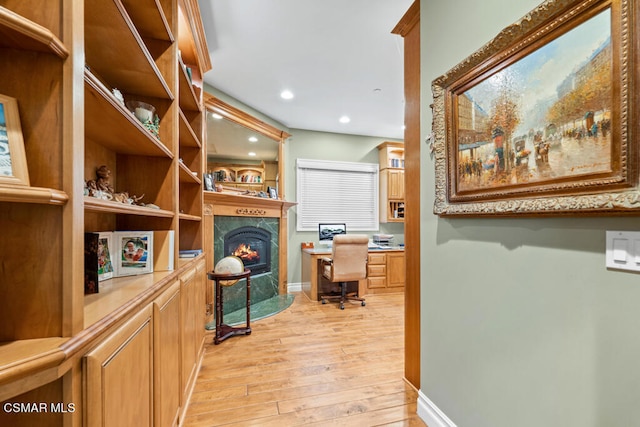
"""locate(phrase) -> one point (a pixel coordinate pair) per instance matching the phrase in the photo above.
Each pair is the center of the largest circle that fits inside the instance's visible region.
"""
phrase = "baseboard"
(431, 414)
(294, 287)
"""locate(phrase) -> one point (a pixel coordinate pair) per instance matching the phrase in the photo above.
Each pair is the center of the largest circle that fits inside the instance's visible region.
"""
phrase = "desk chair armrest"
(326, 261)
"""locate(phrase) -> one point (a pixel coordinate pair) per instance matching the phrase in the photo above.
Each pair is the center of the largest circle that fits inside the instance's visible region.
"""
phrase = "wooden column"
(409, 29)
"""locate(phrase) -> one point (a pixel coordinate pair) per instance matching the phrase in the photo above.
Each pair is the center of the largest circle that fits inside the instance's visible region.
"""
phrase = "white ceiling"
(338, 57)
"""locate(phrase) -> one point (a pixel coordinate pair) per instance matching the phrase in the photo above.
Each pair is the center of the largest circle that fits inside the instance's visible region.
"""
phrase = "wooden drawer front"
(377, 270)
(376, 282)
(377, 259)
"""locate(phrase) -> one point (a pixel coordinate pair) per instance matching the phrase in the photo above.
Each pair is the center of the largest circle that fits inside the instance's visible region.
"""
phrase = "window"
(341, 192)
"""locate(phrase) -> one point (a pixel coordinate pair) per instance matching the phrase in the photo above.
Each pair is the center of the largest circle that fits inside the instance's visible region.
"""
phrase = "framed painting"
(542, 119)
(13, 162)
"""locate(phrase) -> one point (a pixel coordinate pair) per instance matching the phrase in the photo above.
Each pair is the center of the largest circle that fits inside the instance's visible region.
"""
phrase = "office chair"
(347, 263)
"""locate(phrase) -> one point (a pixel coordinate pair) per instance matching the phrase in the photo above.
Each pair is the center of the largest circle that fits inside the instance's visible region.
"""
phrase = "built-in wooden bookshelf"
(241, 176)
(67, 62)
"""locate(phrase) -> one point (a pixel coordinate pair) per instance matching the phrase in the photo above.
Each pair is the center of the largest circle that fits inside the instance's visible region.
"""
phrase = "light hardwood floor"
(312, 364)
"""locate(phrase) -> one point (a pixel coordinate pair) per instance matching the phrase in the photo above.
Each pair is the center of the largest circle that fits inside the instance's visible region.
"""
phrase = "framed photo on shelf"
(273, 192)
(208, 181)
(541, 120)
(134, 252)
(105, 264)
(13, 161)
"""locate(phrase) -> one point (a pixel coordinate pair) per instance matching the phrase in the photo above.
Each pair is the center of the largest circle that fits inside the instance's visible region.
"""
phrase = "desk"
(311, 274)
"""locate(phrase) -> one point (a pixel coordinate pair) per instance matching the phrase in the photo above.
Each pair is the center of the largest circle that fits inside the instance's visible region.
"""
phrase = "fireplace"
(252, 245)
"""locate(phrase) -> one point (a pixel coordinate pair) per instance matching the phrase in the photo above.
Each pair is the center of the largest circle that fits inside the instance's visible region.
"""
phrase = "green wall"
(307, 144)
(521, 323)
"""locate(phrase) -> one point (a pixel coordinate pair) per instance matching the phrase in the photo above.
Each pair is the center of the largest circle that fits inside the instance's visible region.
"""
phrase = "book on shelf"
(190, 253)
(90, 263)
(163, 250)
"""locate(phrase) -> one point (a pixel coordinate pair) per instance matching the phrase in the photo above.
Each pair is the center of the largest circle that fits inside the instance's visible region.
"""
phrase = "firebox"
(252, 245)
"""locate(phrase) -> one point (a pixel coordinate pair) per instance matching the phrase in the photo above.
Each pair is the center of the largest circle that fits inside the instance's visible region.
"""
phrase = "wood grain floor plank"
(312, 364)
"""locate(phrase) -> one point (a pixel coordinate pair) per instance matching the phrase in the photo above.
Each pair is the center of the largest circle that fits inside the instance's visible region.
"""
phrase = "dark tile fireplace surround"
(255, 241)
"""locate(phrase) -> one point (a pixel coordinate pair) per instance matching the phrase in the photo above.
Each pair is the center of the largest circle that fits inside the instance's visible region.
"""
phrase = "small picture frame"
(13, 161)
(273, 192)
(208, 181)
(105, 264)
(134, 252)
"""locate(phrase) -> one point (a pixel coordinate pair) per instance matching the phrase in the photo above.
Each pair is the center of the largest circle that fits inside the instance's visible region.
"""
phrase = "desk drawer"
(377, 270)
(377, 258)
(376, 282)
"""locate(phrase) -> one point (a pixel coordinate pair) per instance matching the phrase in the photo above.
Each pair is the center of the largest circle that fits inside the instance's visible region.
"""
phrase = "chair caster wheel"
(363, 303)
(324, 301)
(341, 306)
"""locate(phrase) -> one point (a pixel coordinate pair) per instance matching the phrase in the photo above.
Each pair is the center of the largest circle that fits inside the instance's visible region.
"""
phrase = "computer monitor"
(327, 231)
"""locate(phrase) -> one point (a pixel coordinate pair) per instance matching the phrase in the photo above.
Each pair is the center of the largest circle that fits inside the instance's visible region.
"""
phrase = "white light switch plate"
(623, 250)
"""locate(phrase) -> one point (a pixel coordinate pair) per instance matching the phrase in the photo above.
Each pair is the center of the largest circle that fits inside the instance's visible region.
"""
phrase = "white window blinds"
(337, 192)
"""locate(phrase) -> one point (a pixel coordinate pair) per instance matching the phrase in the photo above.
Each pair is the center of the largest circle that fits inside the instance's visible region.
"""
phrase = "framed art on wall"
(13, 162)
(540, 120)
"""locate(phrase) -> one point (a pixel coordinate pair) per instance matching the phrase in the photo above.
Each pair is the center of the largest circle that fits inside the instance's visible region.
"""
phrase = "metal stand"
(225, 331)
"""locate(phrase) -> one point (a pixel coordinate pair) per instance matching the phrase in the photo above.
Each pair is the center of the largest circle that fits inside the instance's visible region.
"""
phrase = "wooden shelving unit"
(34, 279)
(67, 57)
(391, 156)
(241, 176)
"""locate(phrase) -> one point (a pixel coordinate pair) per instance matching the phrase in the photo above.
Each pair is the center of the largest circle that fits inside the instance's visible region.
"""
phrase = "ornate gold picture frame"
(542, 119)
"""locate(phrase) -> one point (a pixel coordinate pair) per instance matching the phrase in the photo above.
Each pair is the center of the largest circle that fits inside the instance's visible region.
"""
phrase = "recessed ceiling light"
(345, 119)
(253, 139)
(286, 94)
(251, 153)
(216, 116)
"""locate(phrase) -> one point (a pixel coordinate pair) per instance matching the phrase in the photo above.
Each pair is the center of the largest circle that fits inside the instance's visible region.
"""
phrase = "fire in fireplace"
(252, 245)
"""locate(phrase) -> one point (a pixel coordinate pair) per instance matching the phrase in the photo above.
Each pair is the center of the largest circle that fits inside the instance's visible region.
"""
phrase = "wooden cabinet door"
(396, 184)
(118, 375)
(395, 270)
(201, 305)
(166, 351)
(188, 329)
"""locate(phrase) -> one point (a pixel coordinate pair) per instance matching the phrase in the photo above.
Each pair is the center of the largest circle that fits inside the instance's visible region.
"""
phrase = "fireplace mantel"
(240, 205)
(229, 204)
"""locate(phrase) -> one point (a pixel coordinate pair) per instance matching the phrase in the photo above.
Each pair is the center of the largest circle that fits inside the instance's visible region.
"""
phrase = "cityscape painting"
(547, 116)
(538, 120)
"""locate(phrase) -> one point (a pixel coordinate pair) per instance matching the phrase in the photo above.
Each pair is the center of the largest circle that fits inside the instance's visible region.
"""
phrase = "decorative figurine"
(101, 188)
(118, 95)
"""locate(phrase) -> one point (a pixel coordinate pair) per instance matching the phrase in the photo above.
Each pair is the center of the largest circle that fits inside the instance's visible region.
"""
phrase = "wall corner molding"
(431, 414)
